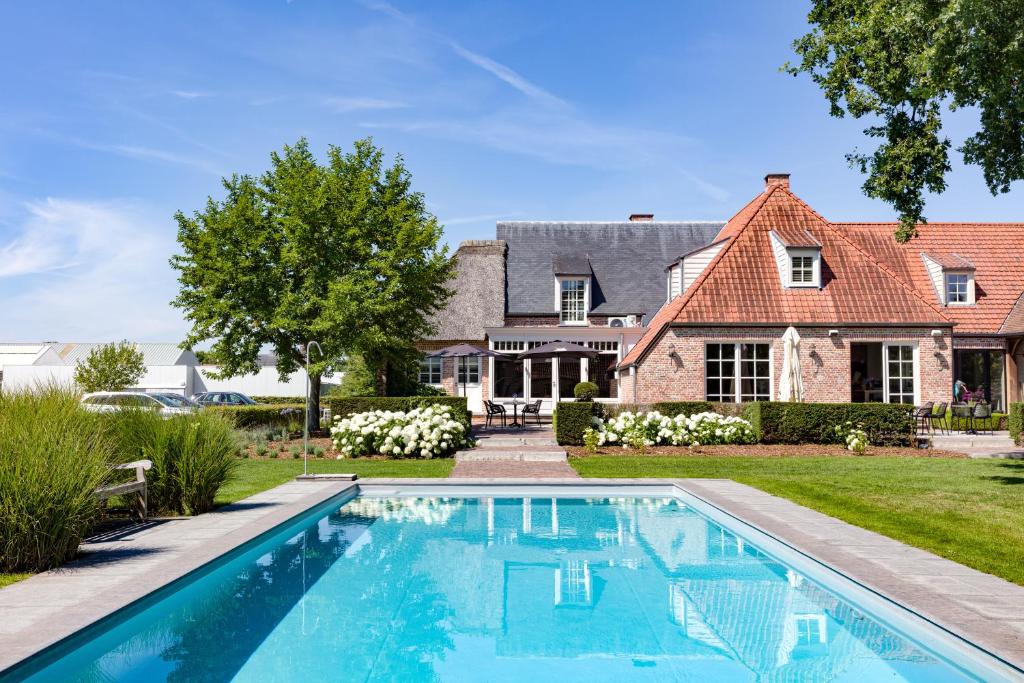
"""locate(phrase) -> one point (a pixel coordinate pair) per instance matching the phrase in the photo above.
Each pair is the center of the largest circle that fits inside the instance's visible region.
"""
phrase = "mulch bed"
(770, 451)
(282, 449)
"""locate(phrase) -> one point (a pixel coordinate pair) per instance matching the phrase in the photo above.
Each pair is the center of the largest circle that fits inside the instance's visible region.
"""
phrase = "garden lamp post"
(305, 422)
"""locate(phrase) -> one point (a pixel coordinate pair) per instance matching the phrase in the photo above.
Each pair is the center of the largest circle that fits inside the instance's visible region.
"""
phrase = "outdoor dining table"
(515, 403)
(964, 413)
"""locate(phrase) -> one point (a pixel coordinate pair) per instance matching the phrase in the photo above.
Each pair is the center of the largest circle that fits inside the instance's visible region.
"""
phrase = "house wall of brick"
(825, 361)
(448, 367)
(553, 321)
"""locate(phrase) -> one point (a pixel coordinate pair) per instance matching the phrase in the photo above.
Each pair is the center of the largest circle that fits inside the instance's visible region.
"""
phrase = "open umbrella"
(463, 351)
(791, 387)
(560, 350)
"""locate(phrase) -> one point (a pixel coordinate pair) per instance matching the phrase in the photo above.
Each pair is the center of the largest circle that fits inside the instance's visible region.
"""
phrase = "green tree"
(344, 253)
(902, 63)
(111, 367)
(358, 379)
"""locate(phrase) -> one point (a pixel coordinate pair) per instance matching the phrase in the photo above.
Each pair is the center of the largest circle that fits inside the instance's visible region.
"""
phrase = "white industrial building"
(168, 369)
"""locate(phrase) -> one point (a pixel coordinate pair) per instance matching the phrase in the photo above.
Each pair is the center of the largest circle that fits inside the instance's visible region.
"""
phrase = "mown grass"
(969, 511)
(253, 476)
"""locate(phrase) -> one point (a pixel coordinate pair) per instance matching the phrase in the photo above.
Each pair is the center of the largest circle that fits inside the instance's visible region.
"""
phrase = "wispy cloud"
(104, 268)
(141, 152)
(500, 71)
(341, 105)
(190, 94)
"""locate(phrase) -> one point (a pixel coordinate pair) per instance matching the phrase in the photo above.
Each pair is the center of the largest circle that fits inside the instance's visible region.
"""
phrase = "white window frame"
(916, 370)
(815, 256)
(472, 363)
(968, 287)
(586, 299)
(738, 367)
(426, 366)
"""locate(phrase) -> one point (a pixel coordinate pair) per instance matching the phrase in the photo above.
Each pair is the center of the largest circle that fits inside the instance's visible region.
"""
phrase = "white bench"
(137, 486)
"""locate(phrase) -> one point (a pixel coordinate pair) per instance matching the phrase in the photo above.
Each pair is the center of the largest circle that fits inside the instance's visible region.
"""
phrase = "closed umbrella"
(463, 351)
(791, 387)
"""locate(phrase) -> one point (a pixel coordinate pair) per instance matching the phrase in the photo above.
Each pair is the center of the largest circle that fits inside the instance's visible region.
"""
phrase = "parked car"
(114, 401)
(176, 400)
(222, 398)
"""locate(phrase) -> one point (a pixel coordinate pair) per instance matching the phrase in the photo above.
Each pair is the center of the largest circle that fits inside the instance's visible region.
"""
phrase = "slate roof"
(479, 299)
(742, 284)
(994, 250)
(627, 259)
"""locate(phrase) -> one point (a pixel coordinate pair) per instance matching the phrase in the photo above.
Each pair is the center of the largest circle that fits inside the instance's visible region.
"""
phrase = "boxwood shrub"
(1016, 423)
(252, 417)
(571, 419)
(673, 408)
(278, 400)
(887, 424)
(343, 407)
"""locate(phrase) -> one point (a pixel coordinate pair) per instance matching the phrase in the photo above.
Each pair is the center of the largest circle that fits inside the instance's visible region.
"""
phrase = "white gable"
(695, 262)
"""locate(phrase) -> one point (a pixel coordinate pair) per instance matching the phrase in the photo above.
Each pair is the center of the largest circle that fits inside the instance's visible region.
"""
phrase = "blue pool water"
(483, 589)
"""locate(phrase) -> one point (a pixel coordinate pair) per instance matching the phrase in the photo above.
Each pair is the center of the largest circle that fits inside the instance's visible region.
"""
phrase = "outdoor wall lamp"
(833, 333)
(936, 333)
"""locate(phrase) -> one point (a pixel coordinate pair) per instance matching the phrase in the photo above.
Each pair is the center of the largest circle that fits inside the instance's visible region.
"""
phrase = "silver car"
(116, 401)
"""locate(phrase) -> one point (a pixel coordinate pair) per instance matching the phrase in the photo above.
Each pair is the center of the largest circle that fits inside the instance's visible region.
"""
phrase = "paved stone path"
(515, 453)
(996, 445)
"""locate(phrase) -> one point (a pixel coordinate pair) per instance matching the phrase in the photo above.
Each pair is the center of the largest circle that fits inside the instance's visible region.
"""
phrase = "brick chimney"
(773, 179)
(641, 217)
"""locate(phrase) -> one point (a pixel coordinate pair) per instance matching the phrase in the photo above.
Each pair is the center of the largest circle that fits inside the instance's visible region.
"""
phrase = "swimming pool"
(457, 583)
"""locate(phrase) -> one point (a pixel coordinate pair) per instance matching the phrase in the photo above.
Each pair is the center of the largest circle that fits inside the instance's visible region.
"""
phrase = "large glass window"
(573, 301)
(867, 373)
(900, 361)
(469, 370)
(508, 377)
(982, 371)
(600, 373)
(430, 371)
(723, 375)
(540, 378)
(568, 377)
(956, 288)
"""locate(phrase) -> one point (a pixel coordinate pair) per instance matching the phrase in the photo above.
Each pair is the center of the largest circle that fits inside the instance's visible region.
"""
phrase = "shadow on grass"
(1014, 476)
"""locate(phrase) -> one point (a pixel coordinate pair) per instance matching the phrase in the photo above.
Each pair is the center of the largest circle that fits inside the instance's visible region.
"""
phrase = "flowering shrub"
(639, 430)
(421, 432)
(855, 438)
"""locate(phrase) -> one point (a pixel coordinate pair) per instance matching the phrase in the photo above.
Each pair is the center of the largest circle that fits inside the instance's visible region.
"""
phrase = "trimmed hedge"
(571, 419)
(1016, 423)
(673, 408)
(249, 417)
(278, 400)
(343, 407)
(887, 424)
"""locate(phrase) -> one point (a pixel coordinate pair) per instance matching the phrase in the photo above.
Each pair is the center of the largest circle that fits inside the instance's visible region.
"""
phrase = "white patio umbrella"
(791, 387)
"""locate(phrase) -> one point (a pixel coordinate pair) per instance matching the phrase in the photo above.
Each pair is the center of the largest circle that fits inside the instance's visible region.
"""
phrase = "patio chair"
(963, 417)
(494, 410)
(923, 423)
(939, 416)
(983, 412)
(532, 409)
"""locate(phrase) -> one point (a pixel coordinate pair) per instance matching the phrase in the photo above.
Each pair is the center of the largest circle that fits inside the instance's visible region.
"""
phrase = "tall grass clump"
(53, 456)
(192, 455)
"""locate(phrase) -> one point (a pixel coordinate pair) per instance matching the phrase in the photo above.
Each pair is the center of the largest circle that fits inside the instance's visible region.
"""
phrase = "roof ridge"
(684, 298)
(878, 262)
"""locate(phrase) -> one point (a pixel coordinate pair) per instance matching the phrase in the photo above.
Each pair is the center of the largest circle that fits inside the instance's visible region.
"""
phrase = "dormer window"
(573, 301)
(952, 275)
(798, 256)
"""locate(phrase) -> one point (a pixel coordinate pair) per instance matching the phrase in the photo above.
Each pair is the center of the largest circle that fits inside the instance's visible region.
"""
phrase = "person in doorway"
(960, 391)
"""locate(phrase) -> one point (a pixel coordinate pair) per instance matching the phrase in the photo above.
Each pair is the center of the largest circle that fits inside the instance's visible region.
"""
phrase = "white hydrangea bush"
(630, 430)
(419, 433)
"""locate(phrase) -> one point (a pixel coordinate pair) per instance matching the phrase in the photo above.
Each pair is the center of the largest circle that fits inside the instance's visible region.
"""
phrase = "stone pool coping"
(42, 610)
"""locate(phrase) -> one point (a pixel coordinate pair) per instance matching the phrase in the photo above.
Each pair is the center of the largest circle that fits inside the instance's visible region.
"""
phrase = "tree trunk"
(313, 403)
(382, 379)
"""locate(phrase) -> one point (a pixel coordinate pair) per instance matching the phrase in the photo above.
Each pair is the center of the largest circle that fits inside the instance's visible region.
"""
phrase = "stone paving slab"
(984, 609)
(109, 575)
(512, 468)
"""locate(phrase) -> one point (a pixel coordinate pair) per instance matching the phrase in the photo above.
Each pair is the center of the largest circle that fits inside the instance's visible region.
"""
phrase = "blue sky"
(115, 115)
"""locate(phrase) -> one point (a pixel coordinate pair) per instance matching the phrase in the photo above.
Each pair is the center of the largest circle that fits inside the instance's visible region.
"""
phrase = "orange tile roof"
(995, 250)
(742, 284)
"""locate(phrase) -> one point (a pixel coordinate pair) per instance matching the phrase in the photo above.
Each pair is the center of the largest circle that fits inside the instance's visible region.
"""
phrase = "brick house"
(879, 321)
(697, 310)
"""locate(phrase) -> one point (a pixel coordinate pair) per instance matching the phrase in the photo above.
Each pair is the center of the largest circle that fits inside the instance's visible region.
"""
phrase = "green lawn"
(970, 511)
(253, 476)
(8, 579)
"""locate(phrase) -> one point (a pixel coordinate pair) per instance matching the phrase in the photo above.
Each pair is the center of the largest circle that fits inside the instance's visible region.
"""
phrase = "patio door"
(884, 373)
(568, 377)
